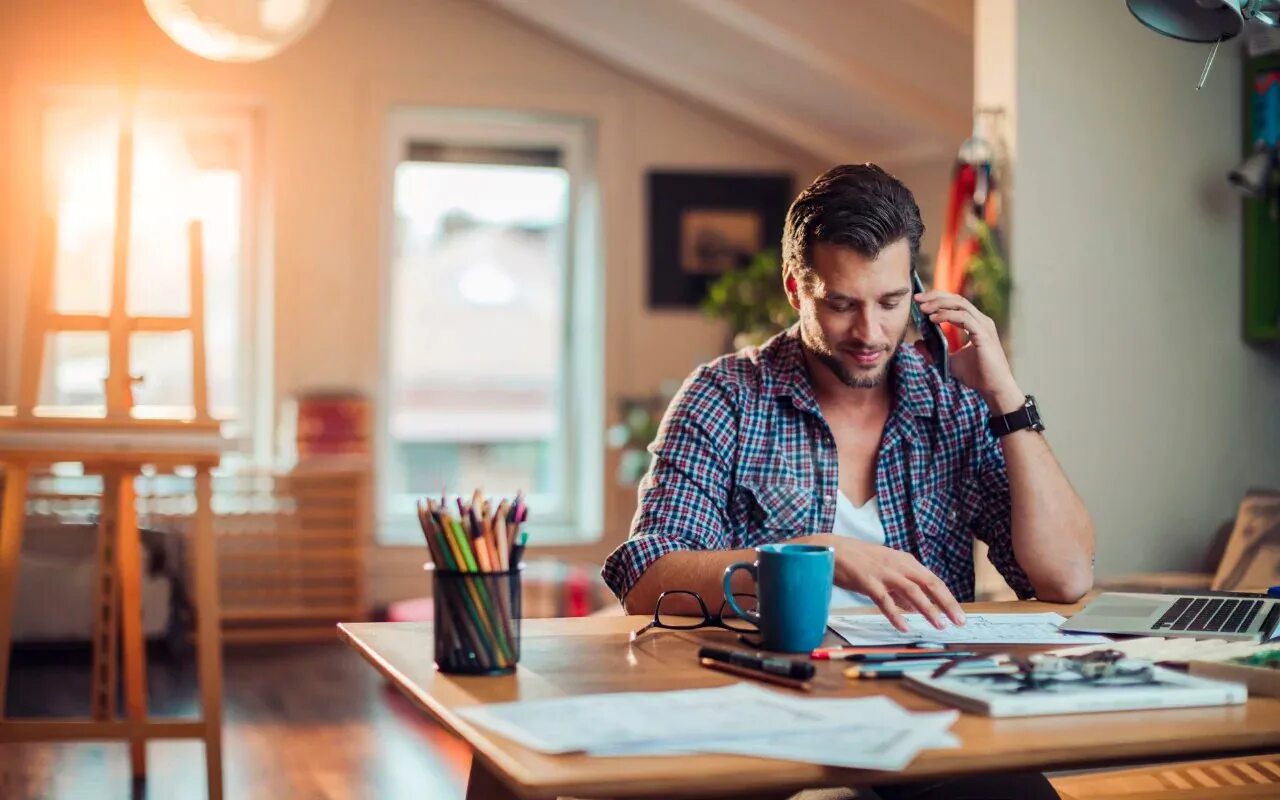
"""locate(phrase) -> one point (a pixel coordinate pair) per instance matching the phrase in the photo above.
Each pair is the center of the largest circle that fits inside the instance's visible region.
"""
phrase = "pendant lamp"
(236, 30)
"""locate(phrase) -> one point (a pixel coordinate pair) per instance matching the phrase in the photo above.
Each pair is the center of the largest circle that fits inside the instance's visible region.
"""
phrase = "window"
(492, 375)
(188, 164)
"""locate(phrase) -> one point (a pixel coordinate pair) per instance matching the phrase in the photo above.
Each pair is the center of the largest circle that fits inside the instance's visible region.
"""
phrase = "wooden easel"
(116, 445)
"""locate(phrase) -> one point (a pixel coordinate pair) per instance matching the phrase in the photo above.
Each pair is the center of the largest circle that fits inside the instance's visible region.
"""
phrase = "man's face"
(854, 311)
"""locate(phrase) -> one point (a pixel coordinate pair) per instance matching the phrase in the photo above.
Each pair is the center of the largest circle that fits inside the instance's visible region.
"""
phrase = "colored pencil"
(465, 613)
(468, 560)
(500, 529)
(454, 631)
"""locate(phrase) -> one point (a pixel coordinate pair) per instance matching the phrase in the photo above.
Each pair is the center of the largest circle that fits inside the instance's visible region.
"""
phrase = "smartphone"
(934, 341)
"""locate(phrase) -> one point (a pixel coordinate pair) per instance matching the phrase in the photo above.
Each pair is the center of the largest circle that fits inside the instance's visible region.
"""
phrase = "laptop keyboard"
(1212, 615)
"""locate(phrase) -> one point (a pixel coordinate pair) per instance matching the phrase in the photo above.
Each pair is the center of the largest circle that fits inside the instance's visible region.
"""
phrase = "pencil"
(496, 590)
(468, 562)
(479, 544)
(469, 565)
(496, 563)
(487, 535)
(493, 616)
(500, 529)
(454, 631)
(481, 528)
(489, 615)
(429, 534)
(483, 646)
(767, 677)
(460, 609)
(491, 536)
(456, 561)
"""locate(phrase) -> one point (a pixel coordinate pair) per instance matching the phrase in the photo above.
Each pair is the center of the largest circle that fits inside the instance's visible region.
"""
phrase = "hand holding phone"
(935, 343)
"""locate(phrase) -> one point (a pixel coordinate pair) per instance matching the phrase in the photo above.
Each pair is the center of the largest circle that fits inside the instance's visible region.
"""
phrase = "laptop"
(1234, 616)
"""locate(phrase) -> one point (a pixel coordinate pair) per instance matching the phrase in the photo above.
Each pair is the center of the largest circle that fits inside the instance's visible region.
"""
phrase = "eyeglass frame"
(708, 621)
(1039, 670)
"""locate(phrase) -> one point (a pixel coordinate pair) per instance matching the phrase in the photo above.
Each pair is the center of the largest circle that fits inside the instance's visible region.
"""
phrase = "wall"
(6, 81)
(930, 182)
(1126, 252)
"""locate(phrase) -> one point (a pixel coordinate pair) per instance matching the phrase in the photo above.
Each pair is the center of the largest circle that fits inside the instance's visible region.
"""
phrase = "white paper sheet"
(632, 719)
(742, 719)
(880, 735)
(868, 728)
(884, 746)
(873, 629)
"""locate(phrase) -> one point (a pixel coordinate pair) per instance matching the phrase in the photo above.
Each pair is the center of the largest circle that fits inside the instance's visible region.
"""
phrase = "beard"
(815, 340)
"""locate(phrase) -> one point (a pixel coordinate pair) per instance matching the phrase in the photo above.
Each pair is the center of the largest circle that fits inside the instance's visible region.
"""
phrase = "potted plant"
(751, 300)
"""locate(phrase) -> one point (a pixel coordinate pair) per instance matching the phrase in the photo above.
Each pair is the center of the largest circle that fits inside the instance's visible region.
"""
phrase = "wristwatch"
(1026, 417)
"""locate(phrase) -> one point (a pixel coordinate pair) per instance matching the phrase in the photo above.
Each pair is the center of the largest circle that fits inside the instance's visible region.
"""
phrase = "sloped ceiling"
(843, 80)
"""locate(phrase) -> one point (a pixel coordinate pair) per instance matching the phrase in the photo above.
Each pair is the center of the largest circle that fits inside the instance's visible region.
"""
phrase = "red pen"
(828, 653)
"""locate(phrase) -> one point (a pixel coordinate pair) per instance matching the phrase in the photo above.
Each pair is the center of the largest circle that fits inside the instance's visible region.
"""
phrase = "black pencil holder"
(477, 621)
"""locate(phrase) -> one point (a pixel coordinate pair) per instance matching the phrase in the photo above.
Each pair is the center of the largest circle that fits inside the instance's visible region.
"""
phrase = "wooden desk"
(592, 655)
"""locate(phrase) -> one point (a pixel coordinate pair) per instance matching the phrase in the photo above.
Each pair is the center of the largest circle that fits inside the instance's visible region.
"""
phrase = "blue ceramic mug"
(793, 592)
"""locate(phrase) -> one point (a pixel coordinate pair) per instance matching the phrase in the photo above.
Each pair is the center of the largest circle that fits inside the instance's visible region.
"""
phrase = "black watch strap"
(1027, 417)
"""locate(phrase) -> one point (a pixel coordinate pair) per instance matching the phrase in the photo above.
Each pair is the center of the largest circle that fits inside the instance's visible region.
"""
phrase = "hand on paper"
(894, 580)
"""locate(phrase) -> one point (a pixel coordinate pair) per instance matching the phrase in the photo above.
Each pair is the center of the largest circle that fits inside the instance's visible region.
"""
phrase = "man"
(834, 433)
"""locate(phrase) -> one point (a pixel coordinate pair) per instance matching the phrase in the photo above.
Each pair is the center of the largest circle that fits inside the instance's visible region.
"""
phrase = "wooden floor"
(302, 722)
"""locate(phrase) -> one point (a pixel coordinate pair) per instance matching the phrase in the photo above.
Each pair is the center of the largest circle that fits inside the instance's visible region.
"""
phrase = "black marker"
(800, 669)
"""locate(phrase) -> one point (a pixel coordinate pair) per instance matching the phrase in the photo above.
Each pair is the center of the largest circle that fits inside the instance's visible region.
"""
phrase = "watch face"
(1033, 414)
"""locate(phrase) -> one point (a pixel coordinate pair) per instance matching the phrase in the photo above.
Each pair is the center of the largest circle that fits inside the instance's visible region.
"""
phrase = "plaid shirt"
(744, 457)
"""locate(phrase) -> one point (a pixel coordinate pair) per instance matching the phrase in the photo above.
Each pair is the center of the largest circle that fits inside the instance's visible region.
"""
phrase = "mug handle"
(750, 616)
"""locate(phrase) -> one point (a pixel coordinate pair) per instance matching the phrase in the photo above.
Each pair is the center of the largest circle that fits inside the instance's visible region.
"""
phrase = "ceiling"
(842, 80)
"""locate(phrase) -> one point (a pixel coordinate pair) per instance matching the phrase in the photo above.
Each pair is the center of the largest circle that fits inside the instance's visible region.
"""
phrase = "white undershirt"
(862, 523)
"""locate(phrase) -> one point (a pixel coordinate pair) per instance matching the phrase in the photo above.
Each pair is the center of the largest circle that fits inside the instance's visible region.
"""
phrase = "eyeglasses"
(1043, 670)
(665, 618)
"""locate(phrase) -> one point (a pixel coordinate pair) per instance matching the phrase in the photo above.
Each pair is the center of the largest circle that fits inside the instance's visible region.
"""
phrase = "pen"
(880, 666)
(862, 673)
(776, 665)
(822, 653)
(924, 655)
(767, 677)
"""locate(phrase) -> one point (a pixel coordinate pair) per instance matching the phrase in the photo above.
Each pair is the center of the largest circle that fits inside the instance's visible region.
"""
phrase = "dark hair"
(855, 205)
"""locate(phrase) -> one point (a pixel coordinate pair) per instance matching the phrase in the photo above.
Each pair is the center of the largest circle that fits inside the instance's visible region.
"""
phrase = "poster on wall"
(702, 224)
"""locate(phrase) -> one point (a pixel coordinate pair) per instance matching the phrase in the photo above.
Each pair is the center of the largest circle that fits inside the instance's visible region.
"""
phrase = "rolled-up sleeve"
(684, 496)
(993, 522)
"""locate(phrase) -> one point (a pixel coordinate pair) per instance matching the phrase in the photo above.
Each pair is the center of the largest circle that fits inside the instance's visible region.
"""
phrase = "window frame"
(242, 118)
(579, 519)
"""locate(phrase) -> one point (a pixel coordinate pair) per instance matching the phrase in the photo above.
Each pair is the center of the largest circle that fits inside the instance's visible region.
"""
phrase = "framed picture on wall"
(702, 224)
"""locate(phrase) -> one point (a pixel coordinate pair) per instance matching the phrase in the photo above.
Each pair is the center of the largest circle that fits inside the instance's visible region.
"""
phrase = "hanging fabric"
(969, 238)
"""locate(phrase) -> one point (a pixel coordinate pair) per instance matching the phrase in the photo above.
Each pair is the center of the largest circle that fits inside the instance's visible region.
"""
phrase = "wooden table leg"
(12, 508)
(208, 631)
(106, 612)
(129, 568)
(484, 785)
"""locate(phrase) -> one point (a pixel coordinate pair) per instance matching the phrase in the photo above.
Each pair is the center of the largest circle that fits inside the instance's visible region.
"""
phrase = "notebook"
(1006, 696)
